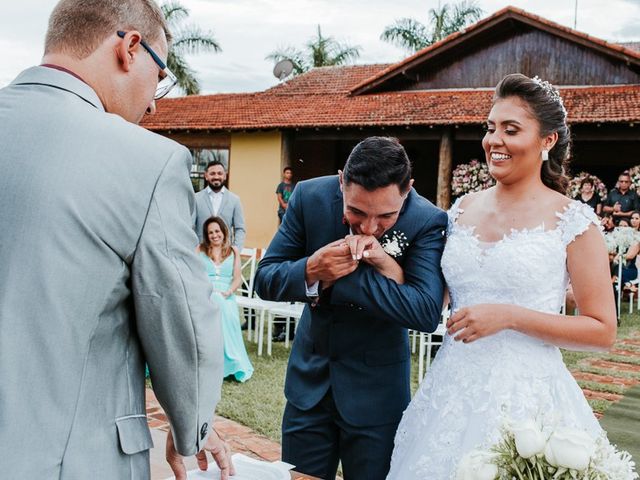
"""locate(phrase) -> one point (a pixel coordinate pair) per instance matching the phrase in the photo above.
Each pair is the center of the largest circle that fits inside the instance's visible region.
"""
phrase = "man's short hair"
(78, 27)
(378, 162)
(287, 169)
(214, 163)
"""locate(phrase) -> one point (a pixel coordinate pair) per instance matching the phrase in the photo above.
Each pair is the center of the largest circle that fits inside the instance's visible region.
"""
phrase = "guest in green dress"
(222, 262)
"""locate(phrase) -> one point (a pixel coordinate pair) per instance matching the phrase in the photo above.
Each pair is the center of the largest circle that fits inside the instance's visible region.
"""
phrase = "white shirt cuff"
(312, 290)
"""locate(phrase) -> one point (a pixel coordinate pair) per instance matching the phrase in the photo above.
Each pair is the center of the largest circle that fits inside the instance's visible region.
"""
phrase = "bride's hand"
(477, 321)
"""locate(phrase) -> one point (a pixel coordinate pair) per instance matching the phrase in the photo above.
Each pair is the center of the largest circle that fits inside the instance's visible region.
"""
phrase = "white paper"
(247, 468)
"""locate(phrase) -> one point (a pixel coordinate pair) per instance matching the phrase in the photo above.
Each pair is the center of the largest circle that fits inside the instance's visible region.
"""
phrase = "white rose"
(477, 465)
(529, 439)
(569, 448)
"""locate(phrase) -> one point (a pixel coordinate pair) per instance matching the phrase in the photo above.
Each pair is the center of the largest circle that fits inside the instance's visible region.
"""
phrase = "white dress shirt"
(216, 199)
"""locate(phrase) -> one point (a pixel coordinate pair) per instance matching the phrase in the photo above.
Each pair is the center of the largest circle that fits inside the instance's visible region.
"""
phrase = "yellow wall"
(254, 173)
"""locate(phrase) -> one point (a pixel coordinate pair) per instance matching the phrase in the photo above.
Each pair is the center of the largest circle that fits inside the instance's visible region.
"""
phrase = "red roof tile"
(324, 97)
(320, 98)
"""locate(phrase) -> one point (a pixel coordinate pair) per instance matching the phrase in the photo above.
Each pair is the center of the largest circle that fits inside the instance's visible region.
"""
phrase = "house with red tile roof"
(434, 102)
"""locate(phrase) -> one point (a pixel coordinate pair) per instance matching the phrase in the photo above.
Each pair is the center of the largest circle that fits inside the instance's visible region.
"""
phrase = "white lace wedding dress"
(470, 388)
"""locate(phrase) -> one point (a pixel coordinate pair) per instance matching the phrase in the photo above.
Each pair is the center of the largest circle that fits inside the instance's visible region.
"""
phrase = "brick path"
(244, 440)
(241, 439)
(617, 371)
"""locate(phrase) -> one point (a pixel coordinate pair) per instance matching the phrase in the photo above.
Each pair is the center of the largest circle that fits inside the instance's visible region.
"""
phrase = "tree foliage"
(187, 39)
(320, 51)
(412, 35)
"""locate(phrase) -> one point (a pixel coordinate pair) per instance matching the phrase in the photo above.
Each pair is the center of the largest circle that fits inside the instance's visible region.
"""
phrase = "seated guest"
(223, 267)
(623, 222)
(635, 220)
(607, 222)
(589, 196)
(629, 268)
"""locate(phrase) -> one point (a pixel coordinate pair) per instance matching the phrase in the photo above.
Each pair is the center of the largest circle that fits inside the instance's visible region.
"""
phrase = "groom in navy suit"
(363, 250)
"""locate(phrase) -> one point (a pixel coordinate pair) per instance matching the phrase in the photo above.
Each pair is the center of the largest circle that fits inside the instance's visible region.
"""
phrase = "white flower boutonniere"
(394, 243)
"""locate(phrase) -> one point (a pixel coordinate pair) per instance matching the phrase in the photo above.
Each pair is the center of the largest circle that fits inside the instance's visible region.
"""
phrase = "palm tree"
(412, 35)
(320, 52)
(186, 39)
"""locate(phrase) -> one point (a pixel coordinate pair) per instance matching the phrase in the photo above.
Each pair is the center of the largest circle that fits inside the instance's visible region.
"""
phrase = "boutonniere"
(394, 243)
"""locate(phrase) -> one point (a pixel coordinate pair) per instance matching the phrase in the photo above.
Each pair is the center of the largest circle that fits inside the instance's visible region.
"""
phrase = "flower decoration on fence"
(634, 173)
(620, 239)
(573, 189)
(530, 451)
(471, 177)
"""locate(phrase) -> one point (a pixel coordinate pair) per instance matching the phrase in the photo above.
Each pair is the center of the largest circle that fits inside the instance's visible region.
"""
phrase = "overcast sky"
(248, 30)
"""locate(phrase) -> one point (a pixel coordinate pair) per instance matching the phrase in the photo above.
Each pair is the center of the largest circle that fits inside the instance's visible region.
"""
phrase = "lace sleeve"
(575, 220)
(453, 213)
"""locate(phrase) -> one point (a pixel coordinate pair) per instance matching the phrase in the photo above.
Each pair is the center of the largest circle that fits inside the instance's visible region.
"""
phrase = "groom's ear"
(405, 193)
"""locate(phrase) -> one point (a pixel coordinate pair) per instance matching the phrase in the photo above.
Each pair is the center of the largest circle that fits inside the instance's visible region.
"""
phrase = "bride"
(510, 251)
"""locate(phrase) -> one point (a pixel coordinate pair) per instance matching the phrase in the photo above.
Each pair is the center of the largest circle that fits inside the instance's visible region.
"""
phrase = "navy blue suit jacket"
(355, 340)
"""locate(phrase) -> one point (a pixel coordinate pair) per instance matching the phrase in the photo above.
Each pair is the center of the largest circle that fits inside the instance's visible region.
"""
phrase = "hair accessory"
(550, 91)
(545, 155)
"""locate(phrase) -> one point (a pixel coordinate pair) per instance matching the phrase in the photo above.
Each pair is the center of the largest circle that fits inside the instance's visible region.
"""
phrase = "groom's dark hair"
(378, 162)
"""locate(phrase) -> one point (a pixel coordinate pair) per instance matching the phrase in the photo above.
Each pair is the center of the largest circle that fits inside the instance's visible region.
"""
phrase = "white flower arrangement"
(394, 243)
(573, 189)
(471, 177)
(529, 451)
(620, 239)
(634, 173)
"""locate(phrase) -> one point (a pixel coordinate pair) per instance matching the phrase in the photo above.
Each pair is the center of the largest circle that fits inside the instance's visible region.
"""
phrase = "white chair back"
(248, 265)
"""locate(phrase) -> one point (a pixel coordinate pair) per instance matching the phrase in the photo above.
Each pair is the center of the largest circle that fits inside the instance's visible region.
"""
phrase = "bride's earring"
(545, 155)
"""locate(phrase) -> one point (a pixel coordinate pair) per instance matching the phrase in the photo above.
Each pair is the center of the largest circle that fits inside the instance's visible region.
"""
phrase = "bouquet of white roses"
(620, 239)
(528, 451)
(573, 189)
(471, 177)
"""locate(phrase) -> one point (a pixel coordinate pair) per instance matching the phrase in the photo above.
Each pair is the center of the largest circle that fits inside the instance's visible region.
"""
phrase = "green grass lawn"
(259, 402)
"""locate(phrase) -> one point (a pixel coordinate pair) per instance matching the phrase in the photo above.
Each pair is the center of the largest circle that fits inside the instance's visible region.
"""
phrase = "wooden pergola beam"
(445, 165)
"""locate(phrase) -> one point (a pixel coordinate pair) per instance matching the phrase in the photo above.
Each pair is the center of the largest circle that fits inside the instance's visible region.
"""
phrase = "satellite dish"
(283, 69)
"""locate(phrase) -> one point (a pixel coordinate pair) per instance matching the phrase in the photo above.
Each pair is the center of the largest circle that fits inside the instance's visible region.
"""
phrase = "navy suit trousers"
(316, 440)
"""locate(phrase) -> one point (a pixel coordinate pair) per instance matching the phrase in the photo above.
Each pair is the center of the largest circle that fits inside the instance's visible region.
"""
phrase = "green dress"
(236, 360)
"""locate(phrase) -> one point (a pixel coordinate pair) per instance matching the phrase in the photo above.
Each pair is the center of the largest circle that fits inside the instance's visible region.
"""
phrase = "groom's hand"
(329, 263)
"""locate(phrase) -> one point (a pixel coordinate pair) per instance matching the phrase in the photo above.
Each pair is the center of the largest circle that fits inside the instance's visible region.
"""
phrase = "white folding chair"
(634, 282)
(428, 341)
(253, 307)
(288, 312)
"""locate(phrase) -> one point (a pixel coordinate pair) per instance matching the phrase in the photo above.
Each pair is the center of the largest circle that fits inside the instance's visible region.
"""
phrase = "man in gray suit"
(217, 201)
(98, 269)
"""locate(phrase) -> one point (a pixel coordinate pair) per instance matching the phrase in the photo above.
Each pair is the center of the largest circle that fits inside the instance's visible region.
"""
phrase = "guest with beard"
(217, 201)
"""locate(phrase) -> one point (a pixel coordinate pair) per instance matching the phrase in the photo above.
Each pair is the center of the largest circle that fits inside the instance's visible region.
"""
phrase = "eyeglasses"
(168, 81)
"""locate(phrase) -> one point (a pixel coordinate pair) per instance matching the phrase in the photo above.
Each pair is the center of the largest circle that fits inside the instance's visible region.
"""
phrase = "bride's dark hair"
(546, 106)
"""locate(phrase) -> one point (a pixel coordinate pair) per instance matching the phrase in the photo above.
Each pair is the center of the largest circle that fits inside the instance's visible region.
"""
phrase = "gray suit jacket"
(98, 275)
(230, 211)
